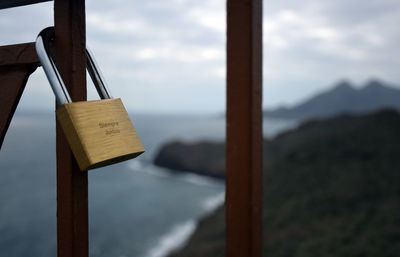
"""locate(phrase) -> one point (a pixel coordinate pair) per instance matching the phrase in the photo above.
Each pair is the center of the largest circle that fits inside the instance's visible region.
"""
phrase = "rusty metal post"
(72, 184)
(244, 129)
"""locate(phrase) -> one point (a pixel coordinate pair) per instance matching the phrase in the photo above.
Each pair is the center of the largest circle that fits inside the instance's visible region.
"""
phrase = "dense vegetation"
(332, 188)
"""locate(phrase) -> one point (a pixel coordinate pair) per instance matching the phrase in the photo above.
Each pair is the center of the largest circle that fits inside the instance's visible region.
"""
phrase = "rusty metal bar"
(72, 184)
(14, 3)
(17, 62)
(244, 129)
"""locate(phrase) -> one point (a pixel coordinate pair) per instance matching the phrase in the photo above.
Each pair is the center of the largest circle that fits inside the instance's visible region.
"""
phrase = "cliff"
(204, 158)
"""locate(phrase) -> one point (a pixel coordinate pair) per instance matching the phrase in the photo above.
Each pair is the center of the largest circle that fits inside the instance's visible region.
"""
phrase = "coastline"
(179, 233)
(329, 184)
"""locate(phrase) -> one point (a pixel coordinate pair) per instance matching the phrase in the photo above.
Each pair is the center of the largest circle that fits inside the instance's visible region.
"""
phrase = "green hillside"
(331, 189)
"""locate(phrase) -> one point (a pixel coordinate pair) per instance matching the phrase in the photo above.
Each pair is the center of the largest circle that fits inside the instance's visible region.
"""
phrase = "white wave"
(177, 237)
(152, 170)
(136, 164)
(149, 168)
(141, 166)
(199, 179)
(173, 240)
(211, 203)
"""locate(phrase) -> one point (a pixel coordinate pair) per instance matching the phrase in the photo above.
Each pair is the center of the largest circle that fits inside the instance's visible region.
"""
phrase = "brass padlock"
(99, 132)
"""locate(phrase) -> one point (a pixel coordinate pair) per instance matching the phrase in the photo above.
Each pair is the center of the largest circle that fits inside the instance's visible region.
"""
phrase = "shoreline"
(178, 234)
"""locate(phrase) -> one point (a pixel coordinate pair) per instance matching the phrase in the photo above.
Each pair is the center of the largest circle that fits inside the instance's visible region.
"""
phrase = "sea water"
(135, 208)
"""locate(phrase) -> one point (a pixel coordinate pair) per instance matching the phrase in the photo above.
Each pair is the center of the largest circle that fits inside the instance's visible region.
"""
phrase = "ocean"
(135, 208)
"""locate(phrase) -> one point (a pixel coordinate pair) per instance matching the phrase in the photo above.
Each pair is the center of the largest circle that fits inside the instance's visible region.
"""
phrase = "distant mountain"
(342, 98)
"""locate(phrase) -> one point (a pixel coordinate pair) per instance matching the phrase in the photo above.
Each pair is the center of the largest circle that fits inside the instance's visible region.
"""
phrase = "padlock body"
(99, 132)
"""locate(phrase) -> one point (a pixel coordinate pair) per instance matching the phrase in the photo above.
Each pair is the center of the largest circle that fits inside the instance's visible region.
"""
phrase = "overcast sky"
(169, 55)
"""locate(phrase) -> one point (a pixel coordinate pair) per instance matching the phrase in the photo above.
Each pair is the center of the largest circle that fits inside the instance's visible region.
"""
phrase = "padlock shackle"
(54, 77)
(97, 78)
(49, 67)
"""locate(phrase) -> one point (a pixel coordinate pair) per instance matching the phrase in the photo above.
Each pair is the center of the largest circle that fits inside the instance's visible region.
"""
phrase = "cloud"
(315, 43)
(22, 24)
(169, 55)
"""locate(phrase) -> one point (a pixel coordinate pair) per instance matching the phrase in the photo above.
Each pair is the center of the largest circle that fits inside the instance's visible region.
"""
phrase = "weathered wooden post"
(72, 184)
(244, 129)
